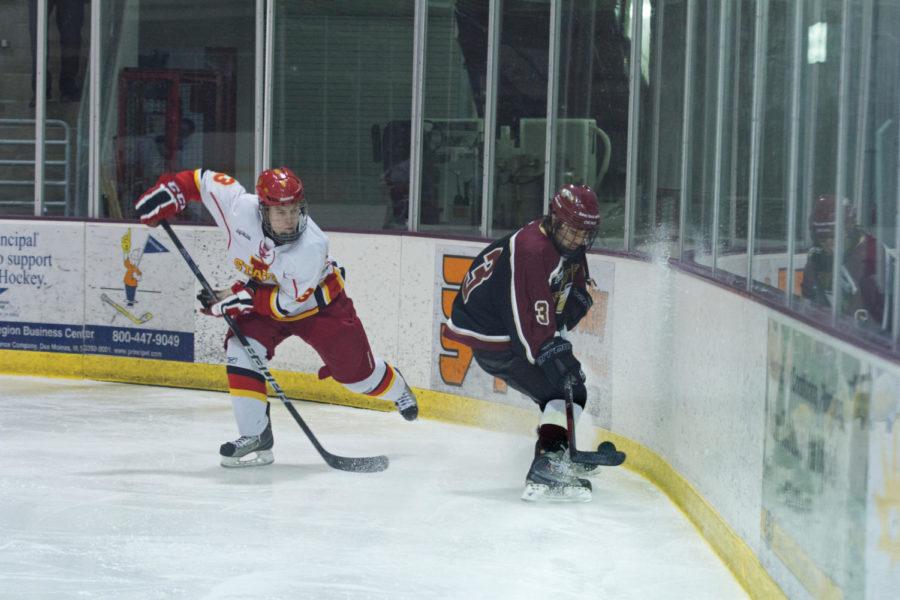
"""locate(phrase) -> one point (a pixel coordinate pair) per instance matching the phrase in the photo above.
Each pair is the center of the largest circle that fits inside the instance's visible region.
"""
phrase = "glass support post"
(634, 114)
(794, 150)
(265, 160)
(490, 117)
(840, 186)
(552, 98)
(40, 106)
(418, 111)
(656, 75)
(724, 52)
(95, 62)
(260, 82)
(862, 120)
(760, 50)
(686, 124)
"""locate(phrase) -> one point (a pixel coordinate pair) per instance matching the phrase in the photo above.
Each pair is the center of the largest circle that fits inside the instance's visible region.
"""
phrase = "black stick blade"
(366, 464)
(605, 456)
(598, 458)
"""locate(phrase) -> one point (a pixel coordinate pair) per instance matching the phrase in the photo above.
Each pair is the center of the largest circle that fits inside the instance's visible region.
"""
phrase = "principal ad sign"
(41, 286)
(139, 295)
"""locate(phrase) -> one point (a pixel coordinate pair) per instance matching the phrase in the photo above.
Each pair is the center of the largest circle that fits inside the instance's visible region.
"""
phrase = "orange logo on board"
(454, 364)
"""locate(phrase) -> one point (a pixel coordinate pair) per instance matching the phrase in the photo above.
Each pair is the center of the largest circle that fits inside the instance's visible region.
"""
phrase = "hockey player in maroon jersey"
(288, 286)
(519, 297)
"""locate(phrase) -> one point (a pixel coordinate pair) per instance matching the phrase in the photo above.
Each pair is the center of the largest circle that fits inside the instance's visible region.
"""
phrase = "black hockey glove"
(206, 299)
(555, 358)
(578, 304)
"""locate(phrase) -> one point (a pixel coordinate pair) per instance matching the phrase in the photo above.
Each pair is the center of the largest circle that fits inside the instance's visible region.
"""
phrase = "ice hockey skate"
(249, 450)
(407, 404)
(550, 479)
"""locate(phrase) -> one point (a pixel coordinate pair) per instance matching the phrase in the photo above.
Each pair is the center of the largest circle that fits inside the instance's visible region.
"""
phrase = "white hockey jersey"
(306, 277)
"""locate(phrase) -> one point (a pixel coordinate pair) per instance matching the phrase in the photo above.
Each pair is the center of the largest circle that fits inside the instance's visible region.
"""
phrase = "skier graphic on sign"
(131, 261)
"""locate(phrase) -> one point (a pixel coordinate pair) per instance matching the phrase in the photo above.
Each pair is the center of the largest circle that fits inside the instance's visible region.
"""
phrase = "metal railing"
(29, 143)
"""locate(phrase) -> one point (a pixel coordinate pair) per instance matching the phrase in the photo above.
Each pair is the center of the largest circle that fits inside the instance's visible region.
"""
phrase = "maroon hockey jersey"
(514, 292)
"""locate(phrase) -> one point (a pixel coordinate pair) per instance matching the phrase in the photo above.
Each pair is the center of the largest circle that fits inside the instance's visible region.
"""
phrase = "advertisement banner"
(814, 489)
(456, 371)
(41, 283)
(883, 498)
(139, 296)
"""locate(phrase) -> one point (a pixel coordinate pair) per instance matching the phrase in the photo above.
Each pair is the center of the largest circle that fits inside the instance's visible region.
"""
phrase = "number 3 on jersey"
(480, 274)
(223, 179)
(542, 312)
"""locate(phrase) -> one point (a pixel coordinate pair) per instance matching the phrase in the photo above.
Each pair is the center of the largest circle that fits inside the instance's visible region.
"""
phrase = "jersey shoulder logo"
(480, 274)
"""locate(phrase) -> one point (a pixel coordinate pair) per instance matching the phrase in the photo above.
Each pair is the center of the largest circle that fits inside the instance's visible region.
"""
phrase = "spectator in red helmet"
(519, 297)
(288, 286)
(862, 265)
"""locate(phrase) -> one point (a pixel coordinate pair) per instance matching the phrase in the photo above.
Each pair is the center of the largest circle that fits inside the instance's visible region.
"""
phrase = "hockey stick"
(606, 454)
(367, 464)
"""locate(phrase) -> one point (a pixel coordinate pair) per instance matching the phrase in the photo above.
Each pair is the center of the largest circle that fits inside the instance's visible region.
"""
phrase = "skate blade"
(538, 492)
(263, 457)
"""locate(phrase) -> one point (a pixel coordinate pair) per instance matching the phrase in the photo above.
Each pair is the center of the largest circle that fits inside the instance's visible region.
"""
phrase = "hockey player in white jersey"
(288, 286)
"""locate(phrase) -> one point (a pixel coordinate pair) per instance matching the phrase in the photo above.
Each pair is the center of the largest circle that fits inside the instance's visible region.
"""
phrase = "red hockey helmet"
(575, 219)
(281, 187)
(276, 187)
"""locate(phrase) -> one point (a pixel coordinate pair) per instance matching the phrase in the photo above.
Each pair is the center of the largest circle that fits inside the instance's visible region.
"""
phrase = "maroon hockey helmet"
(823, 217)
(281, 187)
(575, 206)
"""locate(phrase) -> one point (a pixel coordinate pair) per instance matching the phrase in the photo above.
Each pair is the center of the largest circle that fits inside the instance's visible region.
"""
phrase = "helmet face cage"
(281, 187)
(573, 210)
(565, 236)
(284, 238)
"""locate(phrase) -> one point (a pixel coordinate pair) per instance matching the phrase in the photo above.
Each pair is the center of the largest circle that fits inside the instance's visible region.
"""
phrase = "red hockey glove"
(166, 198)
(163, 201)
(244, 298)
(233, 305)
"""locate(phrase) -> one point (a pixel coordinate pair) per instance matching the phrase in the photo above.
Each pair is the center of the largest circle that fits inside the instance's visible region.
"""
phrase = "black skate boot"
(550, 478)
(235, 454)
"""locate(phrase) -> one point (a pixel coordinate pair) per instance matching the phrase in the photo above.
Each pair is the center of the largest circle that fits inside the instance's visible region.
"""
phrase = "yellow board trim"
(440, 406)
(816, 581)
(732, 550)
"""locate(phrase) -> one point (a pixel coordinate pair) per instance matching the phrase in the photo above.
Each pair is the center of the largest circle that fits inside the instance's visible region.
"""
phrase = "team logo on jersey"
(255, 270)
(266, 253)
(481, 273)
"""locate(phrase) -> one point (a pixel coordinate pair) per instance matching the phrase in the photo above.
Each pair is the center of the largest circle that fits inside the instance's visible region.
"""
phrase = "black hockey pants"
(524, 377)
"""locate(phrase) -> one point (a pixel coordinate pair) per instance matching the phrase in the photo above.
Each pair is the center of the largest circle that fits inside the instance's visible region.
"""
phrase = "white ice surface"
(115, 491)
